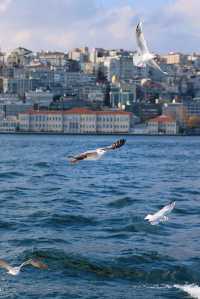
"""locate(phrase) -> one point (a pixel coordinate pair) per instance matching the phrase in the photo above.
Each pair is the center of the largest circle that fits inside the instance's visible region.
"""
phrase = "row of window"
(162, 125)
(83, 118)
(8, 125)
(113, 126)
(47, 126)
(45, 118)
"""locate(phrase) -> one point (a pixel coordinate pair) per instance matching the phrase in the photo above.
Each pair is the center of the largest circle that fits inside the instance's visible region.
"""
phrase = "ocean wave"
(152, 273)
(191, 289)
(121, 202)
(42, 164)
(188, 211)
(136, 225)
(7, 225)
(67, 219)
(143, 258)
(45, 218)
(11, 174)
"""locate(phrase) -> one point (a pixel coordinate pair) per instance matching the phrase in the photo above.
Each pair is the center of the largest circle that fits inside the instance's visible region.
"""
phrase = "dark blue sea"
(86, 221)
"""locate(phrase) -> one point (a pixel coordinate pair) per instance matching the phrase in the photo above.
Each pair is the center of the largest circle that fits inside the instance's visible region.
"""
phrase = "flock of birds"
(156, 218)
(141, 59)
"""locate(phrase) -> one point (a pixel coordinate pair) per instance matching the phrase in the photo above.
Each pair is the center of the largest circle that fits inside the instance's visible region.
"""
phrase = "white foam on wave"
(192, 289)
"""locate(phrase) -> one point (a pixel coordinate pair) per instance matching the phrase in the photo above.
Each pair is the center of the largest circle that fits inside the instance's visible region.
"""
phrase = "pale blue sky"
(169, 25)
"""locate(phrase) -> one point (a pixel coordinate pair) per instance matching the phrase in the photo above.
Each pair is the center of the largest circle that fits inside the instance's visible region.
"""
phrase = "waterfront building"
(162, 124)
(75, 121)
(177, 111)
(9, 124)
(113, 121)
(79, 121)
(40, 121)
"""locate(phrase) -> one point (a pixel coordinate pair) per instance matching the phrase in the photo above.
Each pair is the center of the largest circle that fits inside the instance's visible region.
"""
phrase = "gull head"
(139, 27)
(149, 217)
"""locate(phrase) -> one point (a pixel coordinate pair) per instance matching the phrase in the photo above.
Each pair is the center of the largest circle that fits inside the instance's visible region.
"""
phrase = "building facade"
(9, 124)
(162, 124)
(75, 121)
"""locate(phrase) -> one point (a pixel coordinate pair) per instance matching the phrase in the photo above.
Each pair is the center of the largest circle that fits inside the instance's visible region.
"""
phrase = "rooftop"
(162, 119)
(77, 111)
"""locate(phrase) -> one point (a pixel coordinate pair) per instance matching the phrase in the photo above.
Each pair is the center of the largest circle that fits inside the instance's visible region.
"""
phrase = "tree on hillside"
(194, 122)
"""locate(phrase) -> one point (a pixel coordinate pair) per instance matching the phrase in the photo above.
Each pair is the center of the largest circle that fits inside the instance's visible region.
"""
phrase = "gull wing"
(5, 265)
(165, 210)
(83, 156)
(137, 60)
(115, 145)
(35, 263)
(154, 65)
(141, 42)
(38, 264)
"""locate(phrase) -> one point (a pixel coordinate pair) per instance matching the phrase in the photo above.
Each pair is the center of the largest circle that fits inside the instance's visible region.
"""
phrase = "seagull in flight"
(161, 215)
(97, 153)
(143, 57)
(16, 270)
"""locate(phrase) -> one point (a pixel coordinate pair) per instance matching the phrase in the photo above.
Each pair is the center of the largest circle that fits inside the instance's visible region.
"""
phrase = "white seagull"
(143, 56)
(97, 153)
(16, 270)
(161, 215)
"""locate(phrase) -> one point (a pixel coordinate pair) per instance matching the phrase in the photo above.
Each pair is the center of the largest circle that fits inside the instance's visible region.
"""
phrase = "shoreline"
(97, 134)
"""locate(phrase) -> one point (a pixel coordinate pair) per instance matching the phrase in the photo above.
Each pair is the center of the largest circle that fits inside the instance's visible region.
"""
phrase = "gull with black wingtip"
(97, 153)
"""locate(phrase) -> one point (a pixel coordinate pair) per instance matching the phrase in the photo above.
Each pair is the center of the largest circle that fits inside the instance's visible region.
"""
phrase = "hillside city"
(98, 91)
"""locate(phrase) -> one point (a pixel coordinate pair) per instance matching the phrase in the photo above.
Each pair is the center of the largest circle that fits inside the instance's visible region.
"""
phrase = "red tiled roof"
(77, 111)
(115, 112)
(41, 112)
(162, 119)
(100, 112)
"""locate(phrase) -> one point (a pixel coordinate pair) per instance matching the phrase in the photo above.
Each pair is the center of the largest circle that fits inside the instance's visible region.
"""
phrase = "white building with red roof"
(76, 121)
(162, 124)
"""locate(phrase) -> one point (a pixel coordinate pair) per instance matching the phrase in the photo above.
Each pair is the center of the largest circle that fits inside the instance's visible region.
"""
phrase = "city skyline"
(65, 24)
